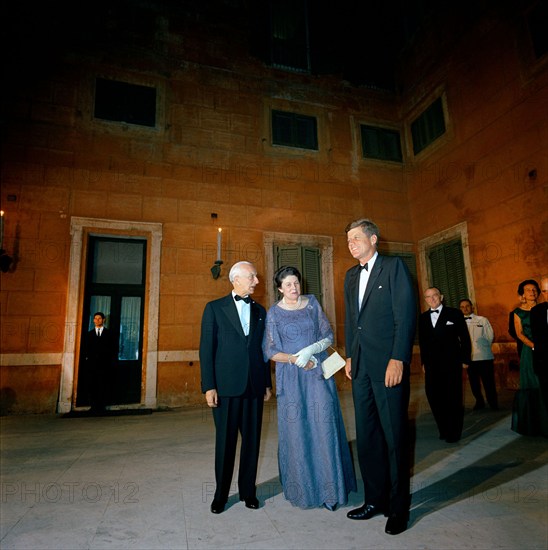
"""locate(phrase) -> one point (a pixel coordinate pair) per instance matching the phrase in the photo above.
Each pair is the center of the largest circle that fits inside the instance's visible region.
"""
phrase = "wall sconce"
(5, 260)
(216, 269)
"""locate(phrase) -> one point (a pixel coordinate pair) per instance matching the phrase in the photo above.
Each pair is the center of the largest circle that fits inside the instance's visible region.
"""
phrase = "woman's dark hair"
(521, 287)
(284, 272)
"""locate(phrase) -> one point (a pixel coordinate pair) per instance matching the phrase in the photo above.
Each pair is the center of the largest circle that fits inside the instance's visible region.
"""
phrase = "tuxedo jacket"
(228, 358)
(100, 351)
(384, 327)
(446, 343)
(539, 332)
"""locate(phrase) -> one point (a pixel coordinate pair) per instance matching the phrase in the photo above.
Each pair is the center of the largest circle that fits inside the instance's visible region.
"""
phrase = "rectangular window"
(381, 143)
(289, 47)
(124, 102)
(294, 130)
(448, 271)
(428, 127)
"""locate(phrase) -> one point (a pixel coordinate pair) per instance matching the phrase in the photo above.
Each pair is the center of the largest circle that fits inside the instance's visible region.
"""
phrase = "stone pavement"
(146, 482)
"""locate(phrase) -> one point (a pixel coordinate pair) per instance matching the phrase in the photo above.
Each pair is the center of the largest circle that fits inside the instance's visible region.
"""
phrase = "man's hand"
(394, 373)
(211, 398)
(267, 394)
(348, 368)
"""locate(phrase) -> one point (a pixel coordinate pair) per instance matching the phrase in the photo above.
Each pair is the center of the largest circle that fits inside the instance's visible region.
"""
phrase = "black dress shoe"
(395, 525)
(251, 502)
(217, 507)
(367, 511)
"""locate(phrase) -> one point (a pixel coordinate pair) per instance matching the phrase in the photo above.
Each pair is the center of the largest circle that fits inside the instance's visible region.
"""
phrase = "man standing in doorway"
(100, 351)
(379, 331)
(236, 381)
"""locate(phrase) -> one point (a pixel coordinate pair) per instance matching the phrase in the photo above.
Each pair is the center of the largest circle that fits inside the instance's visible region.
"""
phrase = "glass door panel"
(130, 329)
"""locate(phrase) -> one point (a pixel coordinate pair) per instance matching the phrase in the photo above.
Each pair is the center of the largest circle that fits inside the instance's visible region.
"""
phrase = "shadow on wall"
(8, 398)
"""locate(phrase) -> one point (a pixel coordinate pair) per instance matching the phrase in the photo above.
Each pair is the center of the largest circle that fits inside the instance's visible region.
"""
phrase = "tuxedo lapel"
(375, 272)
(231, 312)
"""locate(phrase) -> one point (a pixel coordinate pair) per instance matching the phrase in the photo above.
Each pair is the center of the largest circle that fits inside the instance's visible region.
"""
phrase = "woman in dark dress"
(529, 416)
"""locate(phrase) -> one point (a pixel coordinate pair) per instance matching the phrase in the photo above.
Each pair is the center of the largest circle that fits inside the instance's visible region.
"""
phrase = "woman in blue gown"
(529, 415)
(313, 453)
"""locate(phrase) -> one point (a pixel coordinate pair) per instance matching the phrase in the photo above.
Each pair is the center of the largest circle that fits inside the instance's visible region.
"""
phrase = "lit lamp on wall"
(216, 269)
(5, 260)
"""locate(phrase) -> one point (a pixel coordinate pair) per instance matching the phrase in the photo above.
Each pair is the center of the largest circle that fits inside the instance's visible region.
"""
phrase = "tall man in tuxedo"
(445, 349)
(100, 350)
(236, 382)
(539, 332)
(379, 331)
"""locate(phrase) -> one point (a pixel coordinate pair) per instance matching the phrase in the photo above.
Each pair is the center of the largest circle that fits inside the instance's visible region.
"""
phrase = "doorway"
(115, 284)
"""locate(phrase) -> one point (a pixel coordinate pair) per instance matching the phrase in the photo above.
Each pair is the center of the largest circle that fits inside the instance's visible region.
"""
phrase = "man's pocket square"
(449, 323)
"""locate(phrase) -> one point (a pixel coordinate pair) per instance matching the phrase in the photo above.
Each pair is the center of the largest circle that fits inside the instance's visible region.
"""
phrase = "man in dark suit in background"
(379, 331)
(236, 382)
(445, 348)
(539, 331)
(100, 351)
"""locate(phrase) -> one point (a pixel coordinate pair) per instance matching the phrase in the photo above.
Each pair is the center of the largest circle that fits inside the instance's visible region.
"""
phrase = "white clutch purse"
(332, 364)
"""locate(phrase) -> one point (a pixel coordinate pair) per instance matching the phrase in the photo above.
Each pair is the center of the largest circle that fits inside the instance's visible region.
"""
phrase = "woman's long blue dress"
(529, 415)
(313, 453)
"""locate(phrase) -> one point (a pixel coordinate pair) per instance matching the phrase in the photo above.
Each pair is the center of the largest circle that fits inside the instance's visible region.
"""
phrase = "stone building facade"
(80, 188)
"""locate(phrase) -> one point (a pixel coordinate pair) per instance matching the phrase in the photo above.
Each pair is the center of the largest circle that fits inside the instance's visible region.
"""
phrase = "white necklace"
(292, 306)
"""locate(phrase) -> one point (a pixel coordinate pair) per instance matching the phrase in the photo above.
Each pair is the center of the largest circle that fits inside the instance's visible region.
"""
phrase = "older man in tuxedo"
(379, 331)
(539, 332)
(445, 349)
(236, 381)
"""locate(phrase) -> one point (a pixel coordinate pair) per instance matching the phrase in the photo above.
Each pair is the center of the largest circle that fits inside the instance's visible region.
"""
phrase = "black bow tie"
(364, 266)
(467, 318)
(434, 311)
(247, 299)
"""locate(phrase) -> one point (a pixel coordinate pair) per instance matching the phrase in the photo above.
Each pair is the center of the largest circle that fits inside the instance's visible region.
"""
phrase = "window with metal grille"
(308, 261)
(381, 143)
(294, 130)
(289, 42)
(124, 102)
(448, 272)
(428, 127)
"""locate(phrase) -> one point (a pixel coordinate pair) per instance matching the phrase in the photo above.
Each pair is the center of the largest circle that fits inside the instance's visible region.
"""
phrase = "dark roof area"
(358, 40)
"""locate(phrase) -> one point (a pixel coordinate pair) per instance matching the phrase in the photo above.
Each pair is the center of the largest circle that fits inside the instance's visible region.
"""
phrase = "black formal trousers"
(443, 388)
(383, 443)
(483, 372)
(235, 415)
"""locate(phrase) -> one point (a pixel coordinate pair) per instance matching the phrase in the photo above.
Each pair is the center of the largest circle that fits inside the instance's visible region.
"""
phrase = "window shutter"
(448, 273)
(312, 273)
(308, 261)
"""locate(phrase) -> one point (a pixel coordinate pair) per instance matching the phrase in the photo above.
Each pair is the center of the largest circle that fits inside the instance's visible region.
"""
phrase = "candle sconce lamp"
(216, 269)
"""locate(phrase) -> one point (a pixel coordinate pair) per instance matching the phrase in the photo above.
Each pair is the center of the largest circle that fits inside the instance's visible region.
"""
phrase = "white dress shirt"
(364, 278)
(436, 314)
(244, 312)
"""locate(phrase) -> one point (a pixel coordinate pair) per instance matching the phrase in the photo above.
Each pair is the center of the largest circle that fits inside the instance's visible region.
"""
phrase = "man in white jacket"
(481, 369)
